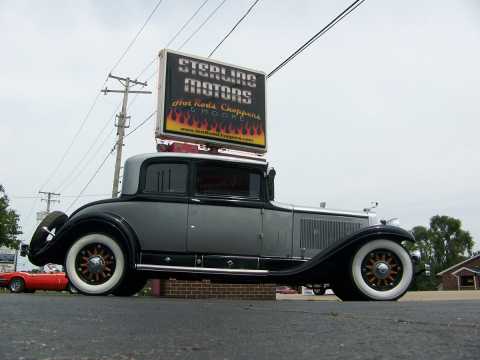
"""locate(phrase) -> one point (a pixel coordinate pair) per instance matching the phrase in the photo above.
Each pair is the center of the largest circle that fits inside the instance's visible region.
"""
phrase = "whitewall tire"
(95, 264)
(382, 270)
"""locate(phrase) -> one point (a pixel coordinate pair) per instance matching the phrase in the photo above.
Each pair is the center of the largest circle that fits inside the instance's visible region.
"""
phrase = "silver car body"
(271, 230)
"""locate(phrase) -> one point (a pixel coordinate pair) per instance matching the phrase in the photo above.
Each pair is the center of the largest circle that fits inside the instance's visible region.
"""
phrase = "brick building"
(462, 276)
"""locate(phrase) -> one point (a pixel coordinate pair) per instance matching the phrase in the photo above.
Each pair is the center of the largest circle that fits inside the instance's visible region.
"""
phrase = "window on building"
(228, 181)
(7, 258)
(167, 178)
(467, 280)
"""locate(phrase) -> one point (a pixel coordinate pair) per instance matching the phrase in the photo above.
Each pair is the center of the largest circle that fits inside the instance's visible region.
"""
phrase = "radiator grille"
(318, 234)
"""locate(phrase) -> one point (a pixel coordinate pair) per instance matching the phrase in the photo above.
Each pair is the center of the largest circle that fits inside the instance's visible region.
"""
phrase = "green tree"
(442, 245)
(450, 242)
(9, 227)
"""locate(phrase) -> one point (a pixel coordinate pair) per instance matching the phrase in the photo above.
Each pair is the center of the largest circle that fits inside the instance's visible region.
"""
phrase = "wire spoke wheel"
(382, 270)
(95, 263)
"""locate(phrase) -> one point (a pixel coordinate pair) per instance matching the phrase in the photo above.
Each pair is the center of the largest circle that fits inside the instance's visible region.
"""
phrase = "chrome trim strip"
(197, 269)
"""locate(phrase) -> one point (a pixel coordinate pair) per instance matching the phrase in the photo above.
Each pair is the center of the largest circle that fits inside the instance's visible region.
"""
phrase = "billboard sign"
(209, 102)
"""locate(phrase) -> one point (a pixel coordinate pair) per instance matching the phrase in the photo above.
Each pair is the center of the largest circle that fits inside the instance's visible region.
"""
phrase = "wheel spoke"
(95, 263)
(381, 270)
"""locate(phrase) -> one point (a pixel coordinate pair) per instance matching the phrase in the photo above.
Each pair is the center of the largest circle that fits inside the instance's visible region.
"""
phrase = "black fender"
(325, 262)
(56, 250)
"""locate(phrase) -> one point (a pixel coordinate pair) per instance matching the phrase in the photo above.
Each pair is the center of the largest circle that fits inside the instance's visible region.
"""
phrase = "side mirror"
(23, 250)
(271, 184)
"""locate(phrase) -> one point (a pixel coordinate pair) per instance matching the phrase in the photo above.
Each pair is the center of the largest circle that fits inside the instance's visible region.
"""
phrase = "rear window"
(232, 181)
(167, 178)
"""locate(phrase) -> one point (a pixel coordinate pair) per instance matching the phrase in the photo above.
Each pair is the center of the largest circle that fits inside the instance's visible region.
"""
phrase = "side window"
(231, 181)
(166, 178)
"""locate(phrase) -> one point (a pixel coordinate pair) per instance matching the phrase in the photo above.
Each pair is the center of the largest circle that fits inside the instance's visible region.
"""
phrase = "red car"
(20, 281)
(285, 290)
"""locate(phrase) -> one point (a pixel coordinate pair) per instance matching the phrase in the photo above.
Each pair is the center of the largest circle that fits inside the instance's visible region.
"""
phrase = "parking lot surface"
(79, 327)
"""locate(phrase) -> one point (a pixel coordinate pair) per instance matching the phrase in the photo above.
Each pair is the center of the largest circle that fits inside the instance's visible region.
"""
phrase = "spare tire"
(53, 222)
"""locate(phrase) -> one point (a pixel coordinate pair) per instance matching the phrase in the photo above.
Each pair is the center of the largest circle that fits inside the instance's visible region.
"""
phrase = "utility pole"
(49, 200)
(121, 124)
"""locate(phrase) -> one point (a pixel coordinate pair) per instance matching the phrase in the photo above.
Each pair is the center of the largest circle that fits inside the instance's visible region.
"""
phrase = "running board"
(200, 270)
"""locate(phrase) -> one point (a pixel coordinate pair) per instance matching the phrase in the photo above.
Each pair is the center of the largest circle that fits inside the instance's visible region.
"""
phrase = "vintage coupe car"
(204, 216)
(20, 281)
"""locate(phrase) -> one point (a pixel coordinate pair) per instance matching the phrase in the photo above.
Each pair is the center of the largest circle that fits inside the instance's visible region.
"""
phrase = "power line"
(185, 42)
(122, 118)
(90, 180)
(202, 24)
(330, 25)
(186, 24)
(174, 37)
(234, 27)
(30, 212)
(63, 196)
(67, 151)
(104, 161)
(141, 124)
(50, 198)
(64, 184)
(85, 195)
(90, 148)
(136, 36)
(95, 154)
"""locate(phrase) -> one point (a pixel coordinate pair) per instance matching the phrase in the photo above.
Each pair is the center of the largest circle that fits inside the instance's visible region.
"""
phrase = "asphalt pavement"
(80, 327)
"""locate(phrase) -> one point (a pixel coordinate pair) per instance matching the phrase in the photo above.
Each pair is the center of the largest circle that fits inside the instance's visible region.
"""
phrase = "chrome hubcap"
(381, 270)
(95, 264)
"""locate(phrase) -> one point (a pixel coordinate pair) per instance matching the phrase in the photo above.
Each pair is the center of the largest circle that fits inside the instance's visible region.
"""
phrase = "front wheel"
(319, 290)
(379, 270)
(95, 264)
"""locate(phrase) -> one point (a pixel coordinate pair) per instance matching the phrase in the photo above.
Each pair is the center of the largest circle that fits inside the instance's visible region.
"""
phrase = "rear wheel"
(17, 285)
(379, 270)
(95, 264)
(319, 290)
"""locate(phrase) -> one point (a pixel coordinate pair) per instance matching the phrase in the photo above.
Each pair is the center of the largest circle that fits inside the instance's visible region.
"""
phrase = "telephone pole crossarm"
(49, 200)
(122, 117)
(106, 90)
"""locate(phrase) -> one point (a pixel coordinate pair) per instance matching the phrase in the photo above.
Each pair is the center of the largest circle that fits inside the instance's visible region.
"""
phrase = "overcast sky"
(385, 107)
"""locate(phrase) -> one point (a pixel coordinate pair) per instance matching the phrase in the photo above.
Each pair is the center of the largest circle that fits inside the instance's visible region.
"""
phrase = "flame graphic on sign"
(248, 131)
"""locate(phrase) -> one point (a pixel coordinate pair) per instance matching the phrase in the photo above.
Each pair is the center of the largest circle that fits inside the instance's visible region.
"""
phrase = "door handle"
(195, 200)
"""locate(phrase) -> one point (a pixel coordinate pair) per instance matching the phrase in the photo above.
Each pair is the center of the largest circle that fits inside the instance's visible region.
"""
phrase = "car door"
(225, 211)
(158, 213)
(42, 281)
